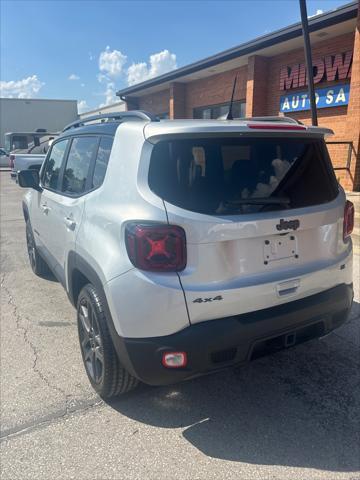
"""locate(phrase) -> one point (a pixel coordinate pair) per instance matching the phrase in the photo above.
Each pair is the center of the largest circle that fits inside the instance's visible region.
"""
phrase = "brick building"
(271, 80)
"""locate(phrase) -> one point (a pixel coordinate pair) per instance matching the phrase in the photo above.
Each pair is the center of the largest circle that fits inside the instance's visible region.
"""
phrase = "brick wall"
(339, 119)
(155, 103)
(215, 89)
(354, 108)
(259, 84)
(177, 100)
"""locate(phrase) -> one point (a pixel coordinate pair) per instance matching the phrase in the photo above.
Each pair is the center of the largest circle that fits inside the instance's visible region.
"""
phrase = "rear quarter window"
(101, 161)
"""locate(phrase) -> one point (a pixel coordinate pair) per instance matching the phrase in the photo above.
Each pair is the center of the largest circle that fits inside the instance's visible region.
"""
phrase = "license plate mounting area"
(280, 247)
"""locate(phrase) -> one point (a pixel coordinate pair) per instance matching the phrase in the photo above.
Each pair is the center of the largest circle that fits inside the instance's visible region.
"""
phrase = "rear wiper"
(259, 201)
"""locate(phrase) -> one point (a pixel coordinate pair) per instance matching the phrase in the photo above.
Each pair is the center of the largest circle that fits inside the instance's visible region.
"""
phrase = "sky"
(87, 50)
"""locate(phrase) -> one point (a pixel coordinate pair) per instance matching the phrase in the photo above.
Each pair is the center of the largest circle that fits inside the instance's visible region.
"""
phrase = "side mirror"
(29, 179)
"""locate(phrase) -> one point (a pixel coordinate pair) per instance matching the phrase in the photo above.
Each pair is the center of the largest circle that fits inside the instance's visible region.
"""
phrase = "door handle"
(70, 223)
(45, 208)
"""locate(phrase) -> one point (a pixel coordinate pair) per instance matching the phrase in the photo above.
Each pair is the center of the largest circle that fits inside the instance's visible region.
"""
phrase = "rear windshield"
(228, 176)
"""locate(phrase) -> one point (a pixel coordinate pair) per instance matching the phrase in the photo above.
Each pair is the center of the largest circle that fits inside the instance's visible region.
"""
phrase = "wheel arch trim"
(25, 210)
(77, 263)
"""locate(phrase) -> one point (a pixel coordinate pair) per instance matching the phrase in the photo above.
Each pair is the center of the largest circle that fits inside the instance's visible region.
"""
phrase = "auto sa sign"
(334, 96)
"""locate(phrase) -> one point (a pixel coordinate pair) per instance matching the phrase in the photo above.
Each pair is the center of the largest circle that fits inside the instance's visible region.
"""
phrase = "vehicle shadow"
(297, 408)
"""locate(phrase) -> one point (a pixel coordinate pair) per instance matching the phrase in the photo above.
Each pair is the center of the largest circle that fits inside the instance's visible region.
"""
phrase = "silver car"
(4, 158)
(188, 246)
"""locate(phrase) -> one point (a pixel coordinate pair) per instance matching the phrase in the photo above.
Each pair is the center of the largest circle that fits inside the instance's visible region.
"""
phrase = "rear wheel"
(38, 265)
(106, 374)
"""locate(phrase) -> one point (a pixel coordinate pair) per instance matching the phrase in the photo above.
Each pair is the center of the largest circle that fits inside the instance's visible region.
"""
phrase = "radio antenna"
(230, 114)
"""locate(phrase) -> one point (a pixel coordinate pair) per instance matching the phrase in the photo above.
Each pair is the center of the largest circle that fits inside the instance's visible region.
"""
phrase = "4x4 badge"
(209, 299)
(288, 225)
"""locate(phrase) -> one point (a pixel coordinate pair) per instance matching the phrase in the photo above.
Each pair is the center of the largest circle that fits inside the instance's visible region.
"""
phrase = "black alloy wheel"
(104, 370)
(90, 341)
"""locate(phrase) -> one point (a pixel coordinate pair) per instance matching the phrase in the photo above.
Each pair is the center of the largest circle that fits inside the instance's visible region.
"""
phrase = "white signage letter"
(295, 101)
(286, 104)
(329, 97)
(341, 96)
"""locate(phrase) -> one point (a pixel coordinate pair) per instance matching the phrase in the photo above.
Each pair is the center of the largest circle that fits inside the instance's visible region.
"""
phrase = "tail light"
(156, 248)
(349, 214)
(11, 160)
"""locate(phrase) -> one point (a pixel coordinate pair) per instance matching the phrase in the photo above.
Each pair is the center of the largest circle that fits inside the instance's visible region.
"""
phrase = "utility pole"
(308, 57)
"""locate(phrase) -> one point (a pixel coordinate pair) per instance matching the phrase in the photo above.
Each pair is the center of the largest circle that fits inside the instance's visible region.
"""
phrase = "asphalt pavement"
(293, 415)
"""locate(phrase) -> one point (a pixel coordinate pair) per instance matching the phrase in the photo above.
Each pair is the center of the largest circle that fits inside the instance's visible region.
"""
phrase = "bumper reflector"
(174, 359)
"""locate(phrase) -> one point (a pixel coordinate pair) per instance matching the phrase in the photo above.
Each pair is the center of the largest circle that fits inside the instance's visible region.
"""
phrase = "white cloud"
(28, 87)
(318, 12)
(159, 63)
(82, 106)
(102, 78)
(137, 72)
(73, 76)
(110, 95)
(111, 62)
(112, 67)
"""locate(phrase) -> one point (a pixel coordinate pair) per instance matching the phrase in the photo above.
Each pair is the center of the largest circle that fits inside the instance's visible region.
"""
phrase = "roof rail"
(116, 116)
(273, 119)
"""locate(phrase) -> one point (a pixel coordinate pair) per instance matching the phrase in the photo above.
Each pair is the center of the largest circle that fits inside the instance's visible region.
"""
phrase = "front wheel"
(106, 374)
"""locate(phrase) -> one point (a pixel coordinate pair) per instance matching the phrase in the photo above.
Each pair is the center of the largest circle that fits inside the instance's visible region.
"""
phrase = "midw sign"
(329, 68)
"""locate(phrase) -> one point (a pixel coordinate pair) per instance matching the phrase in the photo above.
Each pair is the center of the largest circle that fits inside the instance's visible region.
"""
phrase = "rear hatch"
(262, 215)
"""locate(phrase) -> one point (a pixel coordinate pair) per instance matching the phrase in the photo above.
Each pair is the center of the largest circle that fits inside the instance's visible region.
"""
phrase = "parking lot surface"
(293, 415)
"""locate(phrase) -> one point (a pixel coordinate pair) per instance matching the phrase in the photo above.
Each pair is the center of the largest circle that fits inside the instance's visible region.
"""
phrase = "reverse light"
(349, 214)
(174, 359)
(156, 247)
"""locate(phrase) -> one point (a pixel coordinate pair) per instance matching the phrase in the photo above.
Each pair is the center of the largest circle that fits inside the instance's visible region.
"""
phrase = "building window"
(216, 111)
(163, 115)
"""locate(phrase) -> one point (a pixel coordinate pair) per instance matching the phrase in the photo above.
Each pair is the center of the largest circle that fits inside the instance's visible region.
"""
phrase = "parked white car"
(25, 161)
(29, 150)
(4, 158)
(189, 246)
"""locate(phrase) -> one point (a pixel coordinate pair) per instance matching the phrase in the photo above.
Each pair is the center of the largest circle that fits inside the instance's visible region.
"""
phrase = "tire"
(103, 368)
(37, 263)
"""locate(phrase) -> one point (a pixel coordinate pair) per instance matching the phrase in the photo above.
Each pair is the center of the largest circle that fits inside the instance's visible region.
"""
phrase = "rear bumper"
(216, 344)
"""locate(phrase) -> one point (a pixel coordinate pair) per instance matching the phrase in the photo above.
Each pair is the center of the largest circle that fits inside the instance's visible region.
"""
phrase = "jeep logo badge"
(288, 225)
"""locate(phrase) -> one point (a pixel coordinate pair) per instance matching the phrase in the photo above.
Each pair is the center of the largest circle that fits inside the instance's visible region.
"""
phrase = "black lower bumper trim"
(216, 344)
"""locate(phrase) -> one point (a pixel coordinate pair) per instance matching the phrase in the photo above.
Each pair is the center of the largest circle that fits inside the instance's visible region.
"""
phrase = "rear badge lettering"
(209, 299)
(288, 225)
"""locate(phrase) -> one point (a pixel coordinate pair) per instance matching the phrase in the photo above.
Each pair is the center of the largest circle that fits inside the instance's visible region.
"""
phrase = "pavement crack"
(42, 422)
(25, 334)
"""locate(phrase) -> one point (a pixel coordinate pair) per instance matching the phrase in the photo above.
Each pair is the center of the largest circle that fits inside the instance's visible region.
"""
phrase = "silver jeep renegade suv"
(189, 246)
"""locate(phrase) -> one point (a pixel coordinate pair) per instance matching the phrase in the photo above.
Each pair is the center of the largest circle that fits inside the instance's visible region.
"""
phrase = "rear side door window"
(51, 172)
(76, 179)
(19, 142)
(101, 162)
